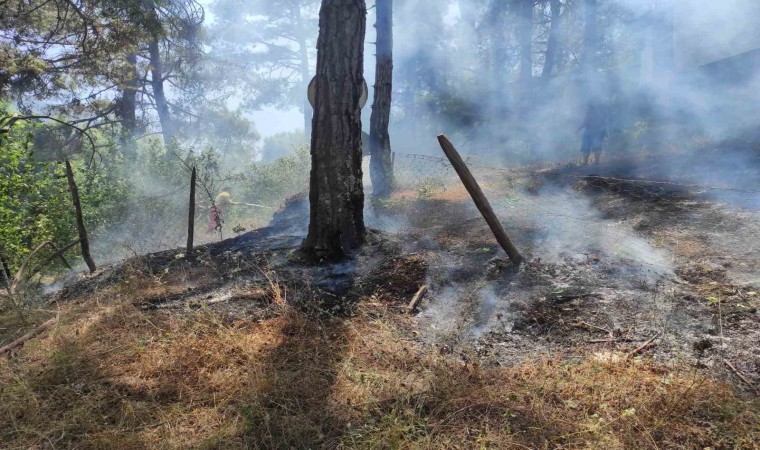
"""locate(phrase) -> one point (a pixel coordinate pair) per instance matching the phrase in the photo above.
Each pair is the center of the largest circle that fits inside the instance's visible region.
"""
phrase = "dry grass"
(113, 376)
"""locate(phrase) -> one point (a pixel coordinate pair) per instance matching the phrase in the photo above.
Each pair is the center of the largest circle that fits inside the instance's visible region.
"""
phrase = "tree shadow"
(292, 405)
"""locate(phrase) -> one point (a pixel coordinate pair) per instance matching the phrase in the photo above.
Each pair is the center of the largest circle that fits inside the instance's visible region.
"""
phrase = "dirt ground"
(633, 323)
(615, 268)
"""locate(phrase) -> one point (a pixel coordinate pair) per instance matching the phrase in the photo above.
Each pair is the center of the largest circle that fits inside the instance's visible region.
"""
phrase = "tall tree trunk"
(129, 98)
(157, 83)
(129, 108)
(303, 50)
(336, 195)
(552, 47)
(380, 165)
(525, 37)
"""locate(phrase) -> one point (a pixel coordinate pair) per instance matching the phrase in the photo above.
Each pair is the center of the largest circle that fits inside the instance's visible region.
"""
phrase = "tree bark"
(157, 83)
(128, 109)
(129, 99)
(552, 47)
(83, 242)
(336, 194)
(525, 37)
(380, 165)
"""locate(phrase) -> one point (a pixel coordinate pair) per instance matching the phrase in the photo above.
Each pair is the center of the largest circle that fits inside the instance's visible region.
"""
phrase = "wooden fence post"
(480, 200)
(191, 214)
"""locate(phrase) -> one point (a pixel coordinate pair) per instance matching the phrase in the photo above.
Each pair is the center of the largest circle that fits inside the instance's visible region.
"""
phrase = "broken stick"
(480, 199)
(16, 280)
(739, 374)
(20, 341)
(643, 347)
(417, 299)
(83, 242)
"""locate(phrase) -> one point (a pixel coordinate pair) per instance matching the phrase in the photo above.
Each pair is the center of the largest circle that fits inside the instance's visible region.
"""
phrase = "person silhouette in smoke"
(222, 202)
(595, 131)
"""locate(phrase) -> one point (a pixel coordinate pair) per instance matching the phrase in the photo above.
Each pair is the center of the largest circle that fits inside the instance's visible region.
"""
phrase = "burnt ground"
(612, 265)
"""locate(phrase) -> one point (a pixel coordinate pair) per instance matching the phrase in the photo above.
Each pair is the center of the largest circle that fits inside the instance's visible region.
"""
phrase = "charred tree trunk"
(525, 37)
(380, 165)
(552, 46)
(83, 241)
(336, 195)
(157, 83)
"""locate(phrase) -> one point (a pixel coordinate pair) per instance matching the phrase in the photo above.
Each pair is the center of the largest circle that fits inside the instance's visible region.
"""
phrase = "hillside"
(633, 325)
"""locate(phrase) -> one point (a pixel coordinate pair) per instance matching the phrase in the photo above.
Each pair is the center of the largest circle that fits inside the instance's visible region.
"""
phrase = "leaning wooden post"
(191, 214)
(480, 199)
(84, 243)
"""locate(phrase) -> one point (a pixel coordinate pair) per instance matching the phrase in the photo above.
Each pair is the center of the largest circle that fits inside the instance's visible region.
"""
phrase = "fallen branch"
(643, 347)
(20, 272)
(417, 299)
(592, 327)
(560, 299)
(609, 341)
(20, 341)
(741, 377)
(58, 254)
(18, 278)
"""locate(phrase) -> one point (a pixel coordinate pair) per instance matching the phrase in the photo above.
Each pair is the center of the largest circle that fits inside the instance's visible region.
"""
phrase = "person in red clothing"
(222, 202)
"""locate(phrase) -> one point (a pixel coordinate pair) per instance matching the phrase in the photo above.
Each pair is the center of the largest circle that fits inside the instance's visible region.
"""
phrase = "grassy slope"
(113, 376)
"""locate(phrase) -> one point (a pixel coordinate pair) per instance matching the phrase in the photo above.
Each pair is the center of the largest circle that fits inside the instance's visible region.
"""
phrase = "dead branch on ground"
(30, 335)
(642, 347)
(739, 374)
(412, 307)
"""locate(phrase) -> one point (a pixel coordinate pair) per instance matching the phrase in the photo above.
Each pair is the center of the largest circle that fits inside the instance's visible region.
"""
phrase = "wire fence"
(639, 247)
(555, 210)
(562, 211)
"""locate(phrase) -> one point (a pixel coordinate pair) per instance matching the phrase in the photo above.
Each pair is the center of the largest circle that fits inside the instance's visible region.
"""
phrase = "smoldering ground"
(456, 73)
(587, 264)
